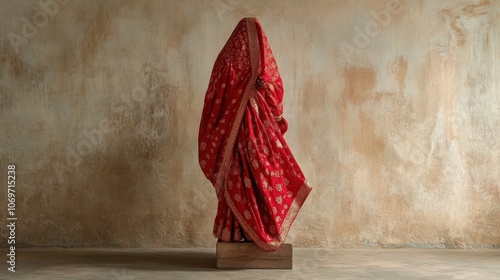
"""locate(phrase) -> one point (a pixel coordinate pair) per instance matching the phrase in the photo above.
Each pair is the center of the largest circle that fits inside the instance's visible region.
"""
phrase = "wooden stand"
(248, 255)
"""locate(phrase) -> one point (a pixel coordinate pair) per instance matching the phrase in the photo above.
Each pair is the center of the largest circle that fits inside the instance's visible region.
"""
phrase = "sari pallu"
(259, 185)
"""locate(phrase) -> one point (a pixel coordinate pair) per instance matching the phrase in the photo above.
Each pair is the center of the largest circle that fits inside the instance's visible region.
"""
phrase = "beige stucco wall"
(395, 124)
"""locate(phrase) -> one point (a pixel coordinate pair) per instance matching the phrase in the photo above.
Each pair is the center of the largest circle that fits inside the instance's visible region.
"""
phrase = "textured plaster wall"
(396, 124)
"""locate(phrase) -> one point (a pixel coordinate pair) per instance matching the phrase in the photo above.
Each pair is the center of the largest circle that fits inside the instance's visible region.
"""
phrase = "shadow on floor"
(179, 260)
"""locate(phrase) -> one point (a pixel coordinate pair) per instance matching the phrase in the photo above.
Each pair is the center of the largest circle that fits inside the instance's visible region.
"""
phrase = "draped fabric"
(259, 185)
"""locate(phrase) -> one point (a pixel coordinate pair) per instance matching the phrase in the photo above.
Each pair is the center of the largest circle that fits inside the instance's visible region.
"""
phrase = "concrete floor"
(121, 264)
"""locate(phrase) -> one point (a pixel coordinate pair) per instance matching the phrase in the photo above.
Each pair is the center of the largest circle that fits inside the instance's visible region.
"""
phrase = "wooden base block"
(249, 255)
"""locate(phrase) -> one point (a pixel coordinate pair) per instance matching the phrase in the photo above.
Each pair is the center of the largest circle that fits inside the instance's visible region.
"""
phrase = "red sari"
(259, 185)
